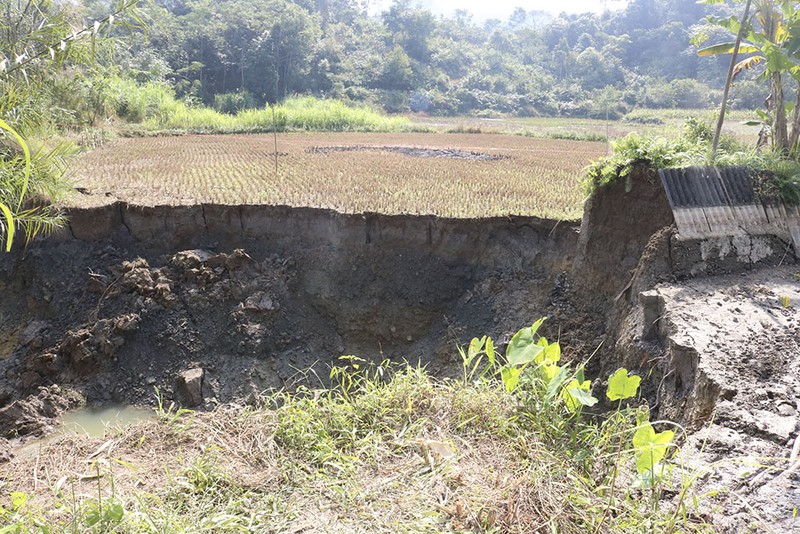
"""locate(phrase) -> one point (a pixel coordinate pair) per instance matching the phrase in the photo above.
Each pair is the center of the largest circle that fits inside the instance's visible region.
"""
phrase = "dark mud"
(415, 152)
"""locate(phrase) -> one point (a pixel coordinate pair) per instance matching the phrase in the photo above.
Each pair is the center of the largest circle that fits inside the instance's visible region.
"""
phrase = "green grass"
(306, 114)
(385, 448)
(153, 108)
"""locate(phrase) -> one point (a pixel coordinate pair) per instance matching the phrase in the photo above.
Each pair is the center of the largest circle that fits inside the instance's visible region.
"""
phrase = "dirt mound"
(34, 414)
(416, 152)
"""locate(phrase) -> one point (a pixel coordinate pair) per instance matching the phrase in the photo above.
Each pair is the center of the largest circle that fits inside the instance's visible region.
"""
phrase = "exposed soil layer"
(723, 356)
(127, 300)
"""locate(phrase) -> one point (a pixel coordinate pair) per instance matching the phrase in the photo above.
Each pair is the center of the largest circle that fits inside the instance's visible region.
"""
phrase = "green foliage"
(38, 39)
(621, 386)
(650, 152)
(410, 59)
(9, 181)
(770, 39)
(37, 173)
(156, 109)
(523, 348)
(232, 103)
(101, 516)
(388, 432)
(642, 117)
(651, 447)
(776, 174)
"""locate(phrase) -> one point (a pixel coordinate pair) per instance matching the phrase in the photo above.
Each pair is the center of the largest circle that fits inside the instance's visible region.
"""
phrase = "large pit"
(125, 298)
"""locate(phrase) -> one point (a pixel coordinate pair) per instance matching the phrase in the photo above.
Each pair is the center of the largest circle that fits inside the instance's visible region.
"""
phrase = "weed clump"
(776, 175)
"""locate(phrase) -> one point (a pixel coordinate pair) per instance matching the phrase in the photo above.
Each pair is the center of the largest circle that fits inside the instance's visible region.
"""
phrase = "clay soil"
(115, 320)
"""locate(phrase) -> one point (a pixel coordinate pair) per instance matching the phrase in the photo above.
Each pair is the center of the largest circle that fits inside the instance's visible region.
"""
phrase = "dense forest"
(235, 54)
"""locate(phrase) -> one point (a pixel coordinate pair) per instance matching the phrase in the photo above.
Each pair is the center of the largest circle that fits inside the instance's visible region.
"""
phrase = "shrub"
(232, 103)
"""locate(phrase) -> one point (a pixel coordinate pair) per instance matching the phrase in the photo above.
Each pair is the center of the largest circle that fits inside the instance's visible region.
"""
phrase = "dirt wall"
(248, 298)
(476, 241)
(618, 221)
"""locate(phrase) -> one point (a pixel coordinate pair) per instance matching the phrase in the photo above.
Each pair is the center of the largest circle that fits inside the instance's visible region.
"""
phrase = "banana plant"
(772, 37)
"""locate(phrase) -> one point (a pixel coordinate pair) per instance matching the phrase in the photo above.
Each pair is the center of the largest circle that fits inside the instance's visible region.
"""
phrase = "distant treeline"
(235, 54)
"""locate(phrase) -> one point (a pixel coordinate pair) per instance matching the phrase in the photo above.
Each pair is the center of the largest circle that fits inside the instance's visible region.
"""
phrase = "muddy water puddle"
(93, 422)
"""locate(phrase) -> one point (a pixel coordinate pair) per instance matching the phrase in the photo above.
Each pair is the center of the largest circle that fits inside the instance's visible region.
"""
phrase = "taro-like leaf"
(650, 447)
(576, 394)
(549, 370)
(510, 376)
(622, 386)
(523, 348)
(556, 381)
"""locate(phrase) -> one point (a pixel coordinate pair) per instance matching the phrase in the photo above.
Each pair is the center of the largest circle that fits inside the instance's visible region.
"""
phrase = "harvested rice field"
(449, 175)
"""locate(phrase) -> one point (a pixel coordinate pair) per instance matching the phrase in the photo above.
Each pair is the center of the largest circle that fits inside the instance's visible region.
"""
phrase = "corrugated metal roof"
(722, 201)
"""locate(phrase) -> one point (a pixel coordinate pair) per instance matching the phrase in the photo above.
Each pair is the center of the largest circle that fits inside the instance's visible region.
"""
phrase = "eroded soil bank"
(213, 304)
(248, 298)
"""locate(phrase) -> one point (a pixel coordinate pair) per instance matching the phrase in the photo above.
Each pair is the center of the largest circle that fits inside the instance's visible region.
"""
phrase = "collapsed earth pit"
(127, 300)
(210, 304)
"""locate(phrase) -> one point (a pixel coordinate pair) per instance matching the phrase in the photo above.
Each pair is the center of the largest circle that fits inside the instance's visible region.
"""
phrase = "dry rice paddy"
(449, 175)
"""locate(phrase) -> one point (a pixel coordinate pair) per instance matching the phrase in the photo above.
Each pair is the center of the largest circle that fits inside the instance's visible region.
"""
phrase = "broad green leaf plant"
(532, 368)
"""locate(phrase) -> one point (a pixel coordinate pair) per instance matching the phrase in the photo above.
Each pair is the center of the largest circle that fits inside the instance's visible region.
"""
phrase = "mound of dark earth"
(417, 152)
(248, 301)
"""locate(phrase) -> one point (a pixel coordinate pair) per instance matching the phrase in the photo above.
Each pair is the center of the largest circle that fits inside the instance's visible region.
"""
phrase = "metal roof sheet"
(721, 201)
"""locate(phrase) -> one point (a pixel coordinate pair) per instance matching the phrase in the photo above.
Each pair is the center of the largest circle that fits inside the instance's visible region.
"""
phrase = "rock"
(127, 323)
(237, 259)
(189, 387)
(190, 259)
(35, 414)
(259, 302)
(30, 379)
(5, 451)
(45, 363)
(33, 334)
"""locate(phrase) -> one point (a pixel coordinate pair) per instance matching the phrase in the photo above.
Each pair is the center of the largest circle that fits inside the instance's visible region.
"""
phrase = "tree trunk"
(729, 80)
(794, 136)
(780, 134)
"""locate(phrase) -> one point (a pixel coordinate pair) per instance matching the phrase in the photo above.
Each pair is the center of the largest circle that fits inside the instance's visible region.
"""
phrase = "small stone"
(189, 387)
(5, 451)
(259, 302)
